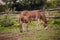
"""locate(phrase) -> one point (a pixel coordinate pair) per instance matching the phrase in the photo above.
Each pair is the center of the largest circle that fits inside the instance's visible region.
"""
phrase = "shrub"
(6, 23)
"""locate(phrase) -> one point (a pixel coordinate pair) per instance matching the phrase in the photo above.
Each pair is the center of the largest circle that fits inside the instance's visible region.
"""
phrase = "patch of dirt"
(12, 36)
(16, 36)
(8, 36)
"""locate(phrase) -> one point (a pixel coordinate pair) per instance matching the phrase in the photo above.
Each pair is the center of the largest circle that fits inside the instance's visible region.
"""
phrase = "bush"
(2, 8)
(6, 23)
(6, 20)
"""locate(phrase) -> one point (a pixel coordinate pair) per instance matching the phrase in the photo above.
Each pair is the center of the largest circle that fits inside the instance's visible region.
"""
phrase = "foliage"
(53, 4)
(33, 4)
(6, 21)
(29, 4)
(6, 24)
(23, 5)
(2, 8)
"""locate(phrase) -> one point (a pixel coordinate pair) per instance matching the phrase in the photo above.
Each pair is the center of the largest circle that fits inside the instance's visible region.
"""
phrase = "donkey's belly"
(33, 19)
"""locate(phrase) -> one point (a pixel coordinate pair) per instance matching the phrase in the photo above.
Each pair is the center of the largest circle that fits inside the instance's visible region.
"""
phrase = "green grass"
(42, 35)
(8, 29)
(53, 32)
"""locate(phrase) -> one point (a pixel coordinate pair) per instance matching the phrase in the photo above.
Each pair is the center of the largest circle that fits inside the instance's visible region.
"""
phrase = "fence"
(53, 14)
(9, 17)
(50, 13)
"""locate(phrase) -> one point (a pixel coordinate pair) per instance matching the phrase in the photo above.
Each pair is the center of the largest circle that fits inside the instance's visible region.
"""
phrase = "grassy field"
(53, 32)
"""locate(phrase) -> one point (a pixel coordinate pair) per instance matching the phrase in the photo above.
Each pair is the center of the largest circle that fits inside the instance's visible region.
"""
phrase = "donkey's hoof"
(27, 30)
(21, 31)
(46, 28)
(38, 29)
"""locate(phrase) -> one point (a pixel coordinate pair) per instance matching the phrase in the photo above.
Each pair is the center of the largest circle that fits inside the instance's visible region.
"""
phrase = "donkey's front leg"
(45, 24)
(21, 29)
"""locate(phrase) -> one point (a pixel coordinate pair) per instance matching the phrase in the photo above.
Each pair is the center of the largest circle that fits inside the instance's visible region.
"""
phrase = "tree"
(53, 3)
(25, 4)
(36, 4)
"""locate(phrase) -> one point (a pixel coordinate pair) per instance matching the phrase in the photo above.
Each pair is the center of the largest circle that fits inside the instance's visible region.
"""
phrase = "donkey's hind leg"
(27, 27)
(38, 24)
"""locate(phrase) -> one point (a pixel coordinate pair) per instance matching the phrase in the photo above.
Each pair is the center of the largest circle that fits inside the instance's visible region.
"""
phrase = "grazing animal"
(32, 15)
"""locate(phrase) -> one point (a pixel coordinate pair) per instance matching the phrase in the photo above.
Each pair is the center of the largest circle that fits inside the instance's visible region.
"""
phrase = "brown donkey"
(31, 15)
